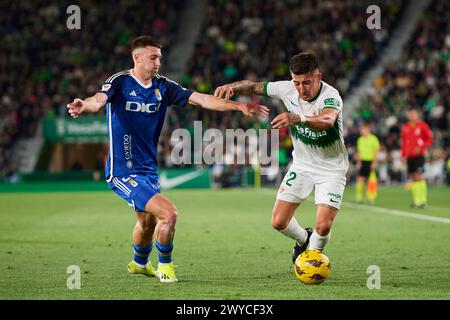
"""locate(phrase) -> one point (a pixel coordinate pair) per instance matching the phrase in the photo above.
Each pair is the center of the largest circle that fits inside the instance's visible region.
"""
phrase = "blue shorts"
(136, 189)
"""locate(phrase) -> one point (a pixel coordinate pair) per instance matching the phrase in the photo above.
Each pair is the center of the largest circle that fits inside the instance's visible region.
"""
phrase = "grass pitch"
(224, 246)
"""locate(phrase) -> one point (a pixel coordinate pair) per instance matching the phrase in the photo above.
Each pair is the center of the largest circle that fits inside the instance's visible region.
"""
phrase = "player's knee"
(170, 215)
(278, 223)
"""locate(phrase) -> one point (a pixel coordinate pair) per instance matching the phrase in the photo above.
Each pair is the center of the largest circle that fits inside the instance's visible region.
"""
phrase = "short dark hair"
(143, 41)
(302, 63)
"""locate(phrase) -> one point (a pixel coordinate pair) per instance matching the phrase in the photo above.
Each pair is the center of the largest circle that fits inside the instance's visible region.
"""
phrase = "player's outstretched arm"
(89, 105)
(243, 87)
(213, 103)
(324, 121)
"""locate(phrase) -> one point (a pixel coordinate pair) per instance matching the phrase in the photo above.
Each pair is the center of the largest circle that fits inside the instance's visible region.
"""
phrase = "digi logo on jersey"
(142, 107)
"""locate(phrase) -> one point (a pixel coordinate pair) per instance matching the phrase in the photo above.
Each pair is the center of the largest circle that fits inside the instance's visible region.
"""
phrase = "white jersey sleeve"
(277, 89)
(331, 100)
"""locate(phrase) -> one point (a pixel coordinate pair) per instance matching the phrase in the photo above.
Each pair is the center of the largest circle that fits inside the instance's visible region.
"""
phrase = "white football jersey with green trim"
(316, 151)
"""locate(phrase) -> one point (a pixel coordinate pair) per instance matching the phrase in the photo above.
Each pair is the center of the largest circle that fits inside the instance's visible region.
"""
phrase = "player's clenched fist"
(225, 92)
(76, 107)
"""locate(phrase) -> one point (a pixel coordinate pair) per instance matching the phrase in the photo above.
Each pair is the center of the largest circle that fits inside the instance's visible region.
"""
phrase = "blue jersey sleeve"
(111, 86)
(177, 95)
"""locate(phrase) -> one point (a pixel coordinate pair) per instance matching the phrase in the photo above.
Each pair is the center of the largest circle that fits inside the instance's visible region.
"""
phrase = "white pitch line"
(399, 213)
(392, 212)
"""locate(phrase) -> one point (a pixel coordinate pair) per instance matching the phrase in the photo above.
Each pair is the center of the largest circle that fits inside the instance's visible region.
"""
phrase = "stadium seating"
(45, 65)
(421, 79)
(254, 40)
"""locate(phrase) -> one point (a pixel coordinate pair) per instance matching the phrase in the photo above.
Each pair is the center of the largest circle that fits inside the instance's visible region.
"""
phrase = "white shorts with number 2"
(297, 186)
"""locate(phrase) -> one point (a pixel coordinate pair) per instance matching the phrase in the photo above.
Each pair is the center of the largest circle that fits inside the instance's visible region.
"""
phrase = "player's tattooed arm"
(211, 102)
(243, 87)
(246, 87)
(89, 105)
(324, 121)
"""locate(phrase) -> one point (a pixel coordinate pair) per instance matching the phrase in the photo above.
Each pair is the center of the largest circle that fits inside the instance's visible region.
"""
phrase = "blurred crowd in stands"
(44, 65)
(421, 79)
(234, 32)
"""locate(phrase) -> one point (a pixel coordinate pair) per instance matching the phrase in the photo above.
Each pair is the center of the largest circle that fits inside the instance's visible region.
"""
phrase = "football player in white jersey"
(320, 160)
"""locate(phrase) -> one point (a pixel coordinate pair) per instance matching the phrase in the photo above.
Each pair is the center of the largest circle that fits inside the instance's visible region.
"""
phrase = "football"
(312, 267)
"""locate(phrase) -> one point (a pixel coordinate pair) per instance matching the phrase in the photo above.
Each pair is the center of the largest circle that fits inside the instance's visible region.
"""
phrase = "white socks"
(318, 242)
(295, 231)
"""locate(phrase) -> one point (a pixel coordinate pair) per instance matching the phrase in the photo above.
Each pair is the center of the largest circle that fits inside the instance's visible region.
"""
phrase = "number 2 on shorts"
(291, 176)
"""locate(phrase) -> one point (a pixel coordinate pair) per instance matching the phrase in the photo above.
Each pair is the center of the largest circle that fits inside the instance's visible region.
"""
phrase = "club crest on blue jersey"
(158, 94)
(133, 183)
